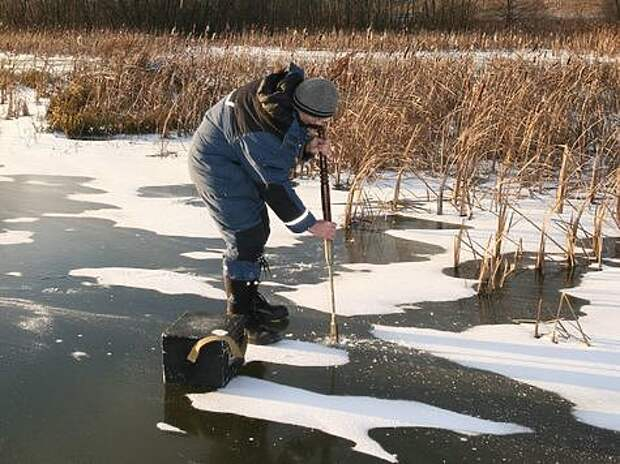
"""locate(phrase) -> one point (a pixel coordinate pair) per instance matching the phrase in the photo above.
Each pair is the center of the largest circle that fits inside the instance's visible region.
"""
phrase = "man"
(240, 160)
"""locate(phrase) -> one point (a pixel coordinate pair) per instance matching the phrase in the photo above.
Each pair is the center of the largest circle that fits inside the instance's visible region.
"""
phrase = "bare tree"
(611, 9)
(512, 11)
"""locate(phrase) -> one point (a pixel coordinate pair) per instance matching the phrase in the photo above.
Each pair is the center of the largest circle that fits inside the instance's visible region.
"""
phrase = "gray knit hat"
(317, 97)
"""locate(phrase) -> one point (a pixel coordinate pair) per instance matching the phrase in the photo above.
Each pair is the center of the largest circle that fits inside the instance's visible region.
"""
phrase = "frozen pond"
(80, 357)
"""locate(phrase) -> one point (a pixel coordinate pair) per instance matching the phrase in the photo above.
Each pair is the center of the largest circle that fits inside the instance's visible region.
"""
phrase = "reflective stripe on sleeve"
(294, 222)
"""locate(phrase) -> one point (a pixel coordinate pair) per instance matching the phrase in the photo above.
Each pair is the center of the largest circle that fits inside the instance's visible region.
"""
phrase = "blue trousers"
(240, 214)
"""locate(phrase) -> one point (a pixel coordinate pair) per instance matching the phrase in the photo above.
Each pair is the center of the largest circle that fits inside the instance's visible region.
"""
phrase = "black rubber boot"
(265, 311)
(259, 334)
(242, 297)
(268, 312)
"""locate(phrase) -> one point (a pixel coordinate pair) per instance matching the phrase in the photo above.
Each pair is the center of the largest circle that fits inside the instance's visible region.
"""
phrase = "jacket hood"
(275, 95)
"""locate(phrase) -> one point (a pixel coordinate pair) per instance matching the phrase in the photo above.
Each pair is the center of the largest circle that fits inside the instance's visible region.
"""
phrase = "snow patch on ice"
(383, 288)
(164, 427)
(14, 274)
(43, 183)
(297, 353)
(349, 417)
(79, 355)
(16, 237)
(200, 255)
(21, 220)
(162, 281)
(37, 324)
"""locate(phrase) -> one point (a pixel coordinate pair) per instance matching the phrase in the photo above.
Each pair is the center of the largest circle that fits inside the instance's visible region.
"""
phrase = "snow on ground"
(587, 376)
(55, 64)
(59, 64)
(166, 282)
(349, 417)
(480, 57)
(297, 353)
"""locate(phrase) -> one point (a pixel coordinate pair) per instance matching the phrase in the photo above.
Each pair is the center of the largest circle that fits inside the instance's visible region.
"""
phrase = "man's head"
(316, 100)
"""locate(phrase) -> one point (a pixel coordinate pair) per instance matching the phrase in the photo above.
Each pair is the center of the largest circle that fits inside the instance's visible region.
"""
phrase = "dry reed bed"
(597, 39)
(452, 117)
(444, 116)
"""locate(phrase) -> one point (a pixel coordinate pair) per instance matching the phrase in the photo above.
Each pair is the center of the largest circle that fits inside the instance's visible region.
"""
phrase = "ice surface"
(586, 376)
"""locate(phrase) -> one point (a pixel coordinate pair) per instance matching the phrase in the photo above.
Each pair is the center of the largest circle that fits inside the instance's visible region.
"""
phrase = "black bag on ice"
(202, 350)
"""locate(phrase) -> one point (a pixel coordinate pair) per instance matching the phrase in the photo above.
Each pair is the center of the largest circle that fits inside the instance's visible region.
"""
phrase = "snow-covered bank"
(349, 417)
(586, 376)
(61, 64)
(55, 64)
(480, 57)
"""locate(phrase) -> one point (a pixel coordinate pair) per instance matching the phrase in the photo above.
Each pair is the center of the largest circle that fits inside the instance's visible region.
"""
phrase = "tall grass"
(144, 94)
(579, 37)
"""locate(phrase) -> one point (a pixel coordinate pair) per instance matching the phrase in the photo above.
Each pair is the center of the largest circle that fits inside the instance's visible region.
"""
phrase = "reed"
(575, 321)
(562, 181)
(458, 239)
(617, 195)
(540, 254)
(486, 270)
(597, 235)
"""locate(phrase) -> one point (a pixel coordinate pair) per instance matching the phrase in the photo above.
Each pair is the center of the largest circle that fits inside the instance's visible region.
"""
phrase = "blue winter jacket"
(243, 151)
